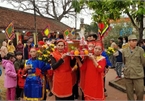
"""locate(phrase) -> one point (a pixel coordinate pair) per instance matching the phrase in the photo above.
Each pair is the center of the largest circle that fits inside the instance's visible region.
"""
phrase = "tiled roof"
(120, 20)
(25, 21)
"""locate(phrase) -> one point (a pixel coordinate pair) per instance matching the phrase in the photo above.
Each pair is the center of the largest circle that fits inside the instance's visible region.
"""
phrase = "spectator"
(4, 50)
(31, 40)
(20, 46)
(10, 46)
(119, 62)
(134, 60)
(125, 42)
(89, 38)
(10, 81)
(60, 36)
(120, 41)
(27, 49)
(112, 42)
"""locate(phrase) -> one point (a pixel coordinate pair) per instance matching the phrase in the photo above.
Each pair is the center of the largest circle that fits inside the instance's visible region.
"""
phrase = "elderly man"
(133, 58)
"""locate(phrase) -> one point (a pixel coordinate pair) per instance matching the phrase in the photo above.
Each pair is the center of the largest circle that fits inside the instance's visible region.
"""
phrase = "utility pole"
(35, 24)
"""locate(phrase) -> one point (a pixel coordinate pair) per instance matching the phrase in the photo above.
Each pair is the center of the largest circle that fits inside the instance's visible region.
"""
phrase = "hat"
(111, 39)
(41, 43)
(99, 43)
(131, 37)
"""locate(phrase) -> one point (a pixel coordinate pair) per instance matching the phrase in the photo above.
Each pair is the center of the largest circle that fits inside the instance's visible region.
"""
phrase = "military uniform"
(133, 71)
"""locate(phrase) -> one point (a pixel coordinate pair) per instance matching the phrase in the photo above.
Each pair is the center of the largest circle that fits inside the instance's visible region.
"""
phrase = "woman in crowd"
(125, 42)
(27, 49)
(94, 67)
(62, 78)
(4, 50)
(20, 46)
(10, 46)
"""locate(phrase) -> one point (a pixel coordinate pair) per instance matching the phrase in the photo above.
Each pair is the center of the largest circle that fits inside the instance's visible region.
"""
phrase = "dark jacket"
(26, 51)
(20, 47)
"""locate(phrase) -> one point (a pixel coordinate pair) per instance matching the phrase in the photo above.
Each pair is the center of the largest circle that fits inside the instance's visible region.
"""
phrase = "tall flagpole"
(35, 24)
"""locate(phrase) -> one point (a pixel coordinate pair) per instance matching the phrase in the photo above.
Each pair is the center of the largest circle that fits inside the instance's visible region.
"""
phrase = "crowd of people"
(27, 78)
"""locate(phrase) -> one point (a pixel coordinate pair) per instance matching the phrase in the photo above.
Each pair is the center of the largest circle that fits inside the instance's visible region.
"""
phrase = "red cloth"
(50, 72)
(41, 43)
(21, 79)
(38, 72)
(93, 80)
(62, 78)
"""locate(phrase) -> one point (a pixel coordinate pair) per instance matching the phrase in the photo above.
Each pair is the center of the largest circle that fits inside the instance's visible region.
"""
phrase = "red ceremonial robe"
(93, 79)
(62, 77)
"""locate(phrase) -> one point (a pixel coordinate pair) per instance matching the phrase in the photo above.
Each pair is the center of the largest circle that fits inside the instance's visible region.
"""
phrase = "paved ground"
(113, 94)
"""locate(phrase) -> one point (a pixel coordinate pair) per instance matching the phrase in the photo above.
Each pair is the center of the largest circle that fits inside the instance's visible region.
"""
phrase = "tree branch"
(132, 20)
(54, 9)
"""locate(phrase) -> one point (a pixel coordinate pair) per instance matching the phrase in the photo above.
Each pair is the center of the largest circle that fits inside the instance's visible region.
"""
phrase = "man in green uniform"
(133, 58)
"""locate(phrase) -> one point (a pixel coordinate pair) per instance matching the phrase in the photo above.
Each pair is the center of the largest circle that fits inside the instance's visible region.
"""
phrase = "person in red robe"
(62, 77)
(92, 81)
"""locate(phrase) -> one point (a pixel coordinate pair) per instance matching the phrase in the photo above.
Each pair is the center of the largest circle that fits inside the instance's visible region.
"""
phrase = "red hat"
(99, 43)
(60, 40)
(41, 43)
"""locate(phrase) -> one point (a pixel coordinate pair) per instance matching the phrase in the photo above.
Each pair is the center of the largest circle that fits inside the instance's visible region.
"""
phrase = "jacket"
(4, 49)
(11, 48)
(21, 78)
(20, 47)
(18, 63)
(10, 74)
(134, 62)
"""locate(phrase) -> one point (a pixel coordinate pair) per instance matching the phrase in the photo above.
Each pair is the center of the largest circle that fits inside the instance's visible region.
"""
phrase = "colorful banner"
(73, 31)
(66, 32)
(10, 31)
(103, 29)
(46, 31)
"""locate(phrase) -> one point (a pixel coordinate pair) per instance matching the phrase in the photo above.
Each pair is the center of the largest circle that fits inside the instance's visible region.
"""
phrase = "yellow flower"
(48, 52)
(113, 51)
(52, 49)
(39, 58)
(44, 46)
(108, 52)
(39, 51)
(45, 55)
(109, 48)
(52, 45)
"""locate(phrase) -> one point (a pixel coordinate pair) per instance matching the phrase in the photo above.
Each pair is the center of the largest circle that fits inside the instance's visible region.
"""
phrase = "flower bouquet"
(110, 51)
(44, 53)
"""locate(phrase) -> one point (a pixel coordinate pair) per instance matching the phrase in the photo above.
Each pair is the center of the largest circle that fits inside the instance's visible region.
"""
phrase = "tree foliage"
(56, 9)
(104, 10)
(114, 33)
(93, 27)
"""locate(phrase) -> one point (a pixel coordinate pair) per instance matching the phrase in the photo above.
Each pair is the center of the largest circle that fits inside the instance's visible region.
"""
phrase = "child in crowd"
(34, 87)
(10, 81)
(18, 63)
(21, 81)
(119, 62)
(19, 60)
